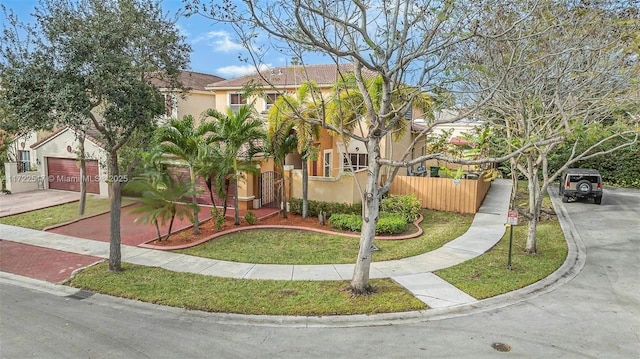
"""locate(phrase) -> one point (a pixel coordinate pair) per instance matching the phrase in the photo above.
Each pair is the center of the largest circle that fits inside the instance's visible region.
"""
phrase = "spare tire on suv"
(581, 183)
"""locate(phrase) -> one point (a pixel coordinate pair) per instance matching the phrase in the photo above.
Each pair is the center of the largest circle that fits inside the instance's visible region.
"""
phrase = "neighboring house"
(57, 161)
(53, 157)
(455, 137)
(195, 101)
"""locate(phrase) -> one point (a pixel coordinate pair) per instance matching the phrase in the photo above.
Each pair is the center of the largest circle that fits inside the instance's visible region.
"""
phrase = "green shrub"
(315, 207)
(407, 206)
(346, 222)
(250, 217)
(391, 224)
(387, 223)
(217, 218)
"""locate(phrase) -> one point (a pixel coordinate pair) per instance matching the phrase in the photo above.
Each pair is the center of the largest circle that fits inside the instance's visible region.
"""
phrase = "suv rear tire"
(584, 187)
(597, 200)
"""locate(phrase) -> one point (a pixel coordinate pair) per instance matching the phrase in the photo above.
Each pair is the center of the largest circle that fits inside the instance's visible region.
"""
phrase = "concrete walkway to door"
(30, 201)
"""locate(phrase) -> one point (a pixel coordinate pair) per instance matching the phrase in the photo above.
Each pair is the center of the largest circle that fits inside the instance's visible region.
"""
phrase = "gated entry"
(270, 187)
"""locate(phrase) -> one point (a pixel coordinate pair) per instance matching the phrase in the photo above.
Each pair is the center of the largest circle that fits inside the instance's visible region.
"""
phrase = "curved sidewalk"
(414, 273)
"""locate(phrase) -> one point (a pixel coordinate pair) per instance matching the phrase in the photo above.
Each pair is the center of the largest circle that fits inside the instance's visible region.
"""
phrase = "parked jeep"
(581, 183)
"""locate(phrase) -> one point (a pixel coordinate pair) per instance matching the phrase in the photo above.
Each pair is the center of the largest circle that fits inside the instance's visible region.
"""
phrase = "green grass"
(243, 296)
(487, 275)
(279, 246)
(43, 218)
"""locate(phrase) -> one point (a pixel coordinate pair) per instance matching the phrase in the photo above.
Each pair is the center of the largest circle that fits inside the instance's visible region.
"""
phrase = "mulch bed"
(207, 228)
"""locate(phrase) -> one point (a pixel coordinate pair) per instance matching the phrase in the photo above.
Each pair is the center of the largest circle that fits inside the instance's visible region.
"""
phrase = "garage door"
(64, 174)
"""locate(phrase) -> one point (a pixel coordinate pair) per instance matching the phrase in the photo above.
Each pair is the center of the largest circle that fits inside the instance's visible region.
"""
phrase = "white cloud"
(236, 71)
(183, 31)
(220, 41)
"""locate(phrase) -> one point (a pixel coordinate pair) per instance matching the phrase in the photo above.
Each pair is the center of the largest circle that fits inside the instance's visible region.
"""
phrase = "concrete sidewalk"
(414, 273)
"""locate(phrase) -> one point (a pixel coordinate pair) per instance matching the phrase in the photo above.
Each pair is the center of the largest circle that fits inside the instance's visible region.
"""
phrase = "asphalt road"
(594, 315)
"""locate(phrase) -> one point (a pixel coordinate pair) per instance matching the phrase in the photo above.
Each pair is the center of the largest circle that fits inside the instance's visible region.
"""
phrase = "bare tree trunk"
(284, 192)
(208, 182)
(115, 255)
(83, 174)
(225, 202)
(155, 223)
(305, 187)
(360, 282)
(194, 201)
(236, 213)
(170, 227)
(535, 205)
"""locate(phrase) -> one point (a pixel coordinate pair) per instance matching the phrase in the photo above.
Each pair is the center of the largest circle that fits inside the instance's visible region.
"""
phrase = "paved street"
(594, 315)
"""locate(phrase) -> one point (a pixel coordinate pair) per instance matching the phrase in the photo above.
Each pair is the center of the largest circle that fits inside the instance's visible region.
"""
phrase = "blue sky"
(215, 49)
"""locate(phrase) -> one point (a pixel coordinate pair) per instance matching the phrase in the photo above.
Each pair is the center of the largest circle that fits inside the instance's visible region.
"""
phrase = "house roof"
(191, 80)
(91, 135)
(323, 75)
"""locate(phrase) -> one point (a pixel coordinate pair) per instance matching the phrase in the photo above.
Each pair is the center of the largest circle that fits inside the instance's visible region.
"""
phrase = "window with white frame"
(24, 161)
(326, 165)
(236, 100)
(358, 161)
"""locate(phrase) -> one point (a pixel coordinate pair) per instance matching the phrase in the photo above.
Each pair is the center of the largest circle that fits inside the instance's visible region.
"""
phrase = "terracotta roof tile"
(191, 80)
(323, 75)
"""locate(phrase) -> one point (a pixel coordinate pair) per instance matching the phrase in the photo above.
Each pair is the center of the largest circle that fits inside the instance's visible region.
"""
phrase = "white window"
(358, 161)
(24, 161)
(236, 100)
(327, 163)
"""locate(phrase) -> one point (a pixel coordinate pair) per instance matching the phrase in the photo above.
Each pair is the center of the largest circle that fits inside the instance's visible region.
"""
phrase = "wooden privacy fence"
(443, 194)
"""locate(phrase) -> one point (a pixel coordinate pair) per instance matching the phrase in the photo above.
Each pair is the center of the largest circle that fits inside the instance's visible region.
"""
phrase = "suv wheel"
(584, 187)
(565, 199)
(597, 200)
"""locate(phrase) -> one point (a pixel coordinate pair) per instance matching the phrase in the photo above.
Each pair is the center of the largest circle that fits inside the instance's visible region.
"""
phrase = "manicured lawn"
(487, 275)
(43, 218)
(279, 246)
(269, 297)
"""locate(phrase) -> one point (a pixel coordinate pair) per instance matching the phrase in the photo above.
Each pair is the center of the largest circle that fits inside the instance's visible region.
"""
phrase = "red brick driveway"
(97, 227)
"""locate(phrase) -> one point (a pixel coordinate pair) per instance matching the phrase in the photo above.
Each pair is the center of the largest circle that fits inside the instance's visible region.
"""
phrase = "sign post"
(512, 220)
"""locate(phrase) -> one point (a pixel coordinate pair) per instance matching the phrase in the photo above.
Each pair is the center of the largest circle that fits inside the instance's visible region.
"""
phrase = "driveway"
(29, 201)
(98, 227)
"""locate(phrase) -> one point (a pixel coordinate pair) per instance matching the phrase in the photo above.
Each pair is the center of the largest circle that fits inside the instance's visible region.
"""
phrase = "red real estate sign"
(512, 218)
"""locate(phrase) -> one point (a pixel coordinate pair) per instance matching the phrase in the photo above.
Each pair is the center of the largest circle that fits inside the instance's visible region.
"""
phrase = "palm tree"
(305, 105)
(182, 139)
(207, 165)
(240, 137)
(159, 200)
(281, 140)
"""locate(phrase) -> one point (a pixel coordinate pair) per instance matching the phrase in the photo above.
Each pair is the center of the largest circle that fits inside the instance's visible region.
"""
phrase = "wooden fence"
(443, 194)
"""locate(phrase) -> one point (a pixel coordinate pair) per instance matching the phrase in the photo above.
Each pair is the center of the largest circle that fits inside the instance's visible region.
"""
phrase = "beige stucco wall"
(341, 189)
(21, 182)
(195, 104)
(57, 147)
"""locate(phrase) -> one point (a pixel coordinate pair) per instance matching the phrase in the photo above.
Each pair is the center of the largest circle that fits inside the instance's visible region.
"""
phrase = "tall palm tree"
(240, 136)
(281, 140)
(182, 139)
(305, 105)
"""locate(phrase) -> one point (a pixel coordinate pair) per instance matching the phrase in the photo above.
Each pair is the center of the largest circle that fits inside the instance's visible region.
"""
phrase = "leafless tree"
(564, 70)
(409, 45)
